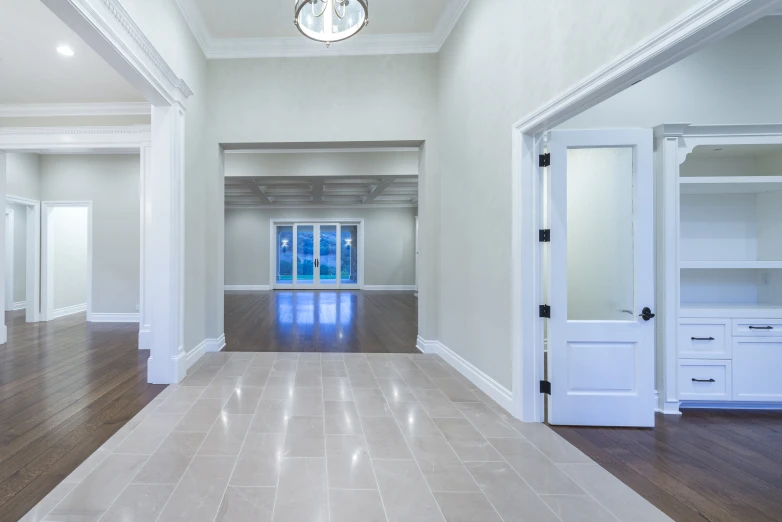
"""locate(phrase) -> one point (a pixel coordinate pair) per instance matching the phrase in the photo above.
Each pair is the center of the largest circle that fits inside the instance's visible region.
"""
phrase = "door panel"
(601, 353)
(305, 255)
(328, 259)
(284, 265)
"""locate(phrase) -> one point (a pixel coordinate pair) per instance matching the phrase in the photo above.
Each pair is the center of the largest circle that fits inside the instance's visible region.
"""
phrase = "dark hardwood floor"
(716, 465)
(321, 321)
(66, 387)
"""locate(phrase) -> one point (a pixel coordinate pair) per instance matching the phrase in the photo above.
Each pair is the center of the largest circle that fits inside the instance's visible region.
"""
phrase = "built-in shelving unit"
(721, 226)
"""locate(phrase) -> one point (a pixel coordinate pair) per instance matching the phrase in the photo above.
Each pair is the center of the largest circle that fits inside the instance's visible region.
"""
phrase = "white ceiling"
(31, 70)
(264, 28)
(301, 191)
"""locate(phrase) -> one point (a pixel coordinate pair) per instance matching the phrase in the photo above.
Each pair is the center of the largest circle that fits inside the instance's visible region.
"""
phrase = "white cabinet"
(719, 262)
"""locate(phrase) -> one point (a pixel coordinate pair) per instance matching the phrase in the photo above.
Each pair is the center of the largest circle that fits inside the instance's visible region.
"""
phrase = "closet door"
(601, 330)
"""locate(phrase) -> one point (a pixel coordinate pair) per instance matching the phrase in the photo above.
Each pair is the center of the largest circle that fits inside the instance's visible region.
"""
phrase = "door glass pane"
(305, 243)
(328, 254)
(600, 253)
(285, 254)
(349, 256)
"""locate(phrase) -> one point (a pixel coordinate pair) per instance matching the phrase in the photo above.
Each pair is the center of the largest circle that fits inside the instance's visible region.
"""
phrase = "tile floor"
(335, 438)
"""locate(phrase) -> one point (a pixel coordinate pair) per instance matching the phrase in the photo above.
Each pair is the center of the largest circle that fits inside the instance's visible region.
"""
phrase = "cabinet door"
(756, 369)
(704, 339)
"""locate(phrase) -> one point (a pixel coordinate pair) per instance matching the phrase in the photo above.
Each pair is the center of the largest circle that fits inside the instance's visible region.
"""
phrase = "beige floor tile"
(139, 503)
(486, 420)
(555, 447)
(441, 467)
(243, 401)
(201, 416)
(260, 460)
(370, 402)
(227, 435)
(181, 399)
(417, 379)
(305, 437)
(86, 467)
(168, 464)
(149, 434)
(572, 508)
(337, 389)
(198, 495)
(396, 390)
(468, 444)
(405, 494)
(247, 505)
(255, 377)
(54, 497)
(413, 420)
(302, 494)
(348, 463)
(307, 402)
(384, 439)
(356, 506)
(455, 390)
(436, 404)
(342, 418)
(271, 416)
(541, 474)
(466, 507)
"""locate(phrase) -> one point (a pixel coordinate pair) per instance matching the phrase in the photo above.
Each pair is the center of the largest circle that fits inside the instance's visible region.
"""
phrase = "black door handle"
(702, 380)
(761, 327)
(702, 338)
(646, 313)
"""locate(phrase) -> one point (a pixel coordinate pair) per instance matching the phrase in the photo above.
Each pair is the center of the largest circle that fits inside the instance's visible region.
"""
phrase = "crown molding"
(57, 140)
(60, 131)
(75, 109)
(296, 47)
(357, 206)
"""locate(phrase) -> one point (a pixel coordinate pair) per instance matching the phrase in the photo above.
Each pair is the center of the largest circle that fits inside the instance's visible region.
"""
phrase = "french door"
(601, 354)
(318, 256)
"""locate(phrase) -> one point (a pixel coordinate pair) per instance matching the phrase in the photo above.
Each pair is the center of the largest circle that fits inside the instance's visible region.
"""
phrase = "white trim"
(21, 305)
(247, 288)
(425, 346)
(348, 150)
(705, 23)
(62, 139)
(29, 110)
(9, 259)
(500, 394)
(48, 312)
(390, 288)
(215, 345)
(184, 360)
(68, 310)
(114, 318)
(290, 47)
(32, 256)
(357, 206)
(729, 405)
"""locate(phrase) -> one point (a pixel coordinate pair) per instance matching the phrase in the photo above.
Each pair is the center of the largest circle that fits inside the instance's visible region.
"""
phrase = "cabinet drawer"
(704, 380)
(704, 339)
(757, 327)
(756, 369)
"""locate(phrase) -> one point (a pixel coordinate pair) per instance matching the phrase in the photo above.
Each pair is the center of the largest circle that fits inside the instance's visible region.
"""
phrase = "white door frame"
(9, 259)
(705, 23)
(47, 262)
(273, 223)
(32, 257)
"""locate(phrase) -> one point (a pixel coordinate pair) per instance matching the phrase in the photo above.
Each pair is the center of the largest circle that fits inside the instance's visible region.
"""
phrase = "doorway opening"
(66, 271)
(317, 256)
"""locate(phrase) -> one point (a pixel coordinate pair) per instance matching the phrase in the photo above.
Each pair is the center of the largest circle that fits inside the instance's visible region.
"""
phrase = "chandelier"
(330, 20)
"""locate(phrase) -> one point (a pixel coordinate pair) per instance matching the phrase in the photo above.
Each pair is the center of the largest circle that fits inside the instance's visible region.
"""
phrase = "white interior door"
(601, 348)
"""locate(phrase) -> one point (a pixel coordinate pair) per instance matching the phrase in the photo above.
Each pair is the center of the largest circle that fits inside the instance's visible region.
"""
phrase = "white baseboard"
(144, 338)
(390, 288)
(247, 288)
(69, 310)
(500, 394)
(21, 305)
(114, 318)
(729, 405)
(215, 345)
(186, 360)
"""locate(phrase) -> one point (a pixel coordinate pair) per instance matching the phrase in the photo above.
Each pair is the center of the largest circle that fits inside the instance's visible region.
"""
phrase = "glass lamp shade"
(330, 20)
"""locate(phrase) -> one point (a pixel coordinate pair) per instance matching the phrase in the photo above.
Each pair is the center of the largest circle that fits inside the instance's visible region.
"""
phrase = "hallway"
(321, 321)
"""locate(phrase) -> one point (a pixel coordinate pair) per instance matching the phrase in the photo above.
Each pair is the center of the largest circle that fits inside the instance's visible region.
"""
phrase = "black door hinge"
(545, 311)
(545, 387)
(545, 160)
(544, 235)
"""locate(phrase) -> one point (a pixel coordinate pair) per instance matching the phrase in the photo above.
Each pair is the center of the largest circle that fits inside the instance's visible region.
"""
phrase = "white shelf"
(737, 310)
(730, 264)
(729, 184)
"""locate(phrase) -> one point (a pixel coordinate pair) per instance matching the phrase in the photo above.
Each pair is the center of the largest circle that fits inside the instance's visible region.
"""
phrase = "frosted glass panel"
(285, 254)
(327, 263)
(600, 234)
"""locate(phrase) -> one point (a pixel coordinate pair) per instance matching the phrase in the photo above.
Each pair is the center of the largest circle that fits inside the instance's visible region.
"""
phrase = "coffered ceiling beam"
(257, 191)
(317, 190)
(377, 190)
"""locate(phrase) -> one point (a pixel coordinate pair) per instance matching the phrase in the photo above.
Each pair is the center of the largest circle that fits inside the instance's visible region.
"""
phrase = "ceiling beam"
(317, 191)
(257, 191)
(377, 190)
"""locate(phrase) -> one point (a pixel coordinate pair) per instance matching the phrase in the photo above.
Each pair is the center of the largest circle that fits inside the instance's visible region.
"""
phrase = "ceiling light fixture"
(330, 20)
(65, 50)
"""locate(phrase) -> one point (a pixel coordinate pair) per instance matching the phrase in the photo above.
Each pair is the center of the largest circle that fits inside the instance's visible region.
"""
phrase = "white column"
(145, 312)
(164, 245)
(3, 329)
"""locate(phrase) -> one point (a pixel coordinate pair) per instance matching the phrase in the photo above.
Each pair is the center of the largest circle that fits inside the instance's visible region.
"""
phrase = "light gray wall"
(68, 241)
(737, 80)
(111, 182)
(371, 98)
(505, 59)
(20, 252)
(389, 237)
(23, 177)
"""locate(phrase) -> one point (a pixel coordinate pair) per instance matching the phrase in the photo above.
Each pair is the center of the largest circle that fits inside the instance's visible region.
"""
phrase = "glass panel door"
(305, 255)
(327, 263)
(348, 245)
(284, 264)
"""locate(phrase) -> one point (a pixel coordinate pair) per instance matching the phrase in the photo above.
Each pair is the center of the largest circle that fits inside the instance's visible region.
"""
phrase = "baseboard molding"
(729, 405)
(426, 346)
(500, 394)
(390, 288)
(69, 310)
(247, 288)
(114, 318)
(188, 359)
(215, 345)
(144, 338)
(21, 305)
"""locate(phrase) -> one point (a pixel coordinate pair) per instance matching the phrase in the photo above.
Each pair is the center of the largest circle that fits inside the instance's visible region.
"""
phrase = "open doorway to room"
(660, 275)
(323, 238)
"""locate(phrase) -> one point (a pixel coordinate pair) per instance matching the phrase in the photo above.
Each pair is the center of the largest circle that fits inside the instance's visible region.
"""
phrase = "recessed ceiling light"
(65, 50)
(717, 150)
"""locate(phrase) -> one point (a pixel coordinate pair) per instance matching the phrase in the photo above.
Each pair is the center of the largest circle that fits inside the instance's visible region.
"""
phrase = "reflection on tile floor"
(335, 438)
